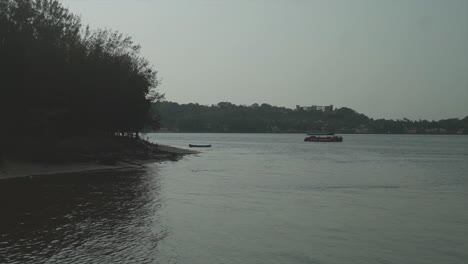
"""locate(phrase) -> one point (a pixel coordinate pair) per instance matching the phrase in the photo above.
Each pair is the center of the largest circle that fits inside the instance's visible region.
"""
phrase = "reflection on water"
(99, 217)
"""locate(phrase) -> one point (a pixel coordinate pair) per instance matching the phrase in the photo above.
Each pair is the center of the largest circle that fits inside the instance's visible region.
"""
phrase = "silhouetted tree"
(60, 78)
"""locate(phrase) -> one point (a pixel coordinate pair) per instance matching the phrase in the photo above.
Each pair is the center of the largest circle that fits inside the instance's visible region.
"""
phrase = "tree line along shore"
(265, 118)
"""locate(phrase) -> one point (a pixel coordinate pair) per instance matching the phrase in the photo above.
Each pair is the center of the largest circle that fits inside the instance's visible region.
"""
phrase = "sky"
(384, 58)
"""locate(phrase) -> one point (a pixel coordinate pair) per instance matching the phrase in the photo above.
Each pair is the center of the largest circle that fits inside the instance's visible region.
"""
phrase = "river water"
(252, 198)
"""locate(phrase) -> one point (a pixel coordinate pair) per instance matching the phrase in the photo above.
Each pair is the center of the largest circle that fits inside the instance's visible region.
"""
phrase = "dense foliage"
(58, 77)
(227, 117)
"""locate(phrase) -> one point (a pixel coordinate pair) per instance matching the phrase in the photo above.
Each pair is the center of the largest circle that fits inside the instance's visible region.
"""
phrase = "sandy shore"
(175, 150)
(13, 169)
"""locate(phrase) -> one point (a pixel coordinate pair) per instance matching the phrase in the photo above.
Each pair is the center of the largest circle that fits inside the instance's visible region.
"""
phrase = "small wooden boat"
(199, 146)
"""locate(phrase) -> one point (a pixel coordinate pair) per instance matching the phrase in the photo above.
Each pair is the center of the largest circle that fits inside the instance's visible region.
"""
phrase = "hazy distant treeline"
(58, 77)
(264, 118)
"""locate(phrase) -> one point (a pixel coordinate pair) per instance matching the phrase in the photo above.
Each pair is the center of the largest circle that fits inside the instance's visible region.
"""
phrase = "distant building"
(327, 108)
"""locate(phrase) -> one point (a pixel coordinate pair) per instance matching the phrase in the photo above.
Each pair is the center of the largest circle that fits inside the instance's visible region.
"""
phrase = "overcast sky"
(384, 58)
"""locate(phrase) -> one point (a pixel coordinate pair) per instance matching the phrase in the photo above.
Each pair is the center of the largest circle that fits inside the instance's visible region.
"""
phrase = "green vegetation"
(59, 79)
(227, 117)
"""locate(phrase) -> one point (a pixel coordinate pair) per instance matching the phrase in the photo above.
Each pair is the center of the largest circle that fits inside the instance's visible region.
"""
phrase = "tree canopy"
(58, 77)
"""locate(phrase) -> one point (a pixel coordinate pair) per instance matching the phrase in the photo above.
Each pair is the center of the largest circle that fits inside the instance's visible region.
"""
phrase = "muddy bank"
(83, 155)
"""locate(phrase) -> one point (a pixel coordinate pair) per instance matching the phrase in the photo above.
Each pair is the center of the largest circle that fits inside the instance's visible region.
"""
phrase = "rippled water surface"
(252, 198)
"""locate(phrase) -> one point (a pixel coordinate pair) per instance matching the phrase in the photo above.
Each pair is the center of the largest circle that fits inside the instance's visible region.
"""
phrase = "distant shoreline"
(304, 133)
(228, 117)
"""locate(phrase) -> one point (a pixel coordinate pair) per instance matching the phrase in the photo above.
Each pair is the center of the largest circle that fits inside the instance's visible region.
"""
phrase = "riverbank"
(15, 169)
(86, 155)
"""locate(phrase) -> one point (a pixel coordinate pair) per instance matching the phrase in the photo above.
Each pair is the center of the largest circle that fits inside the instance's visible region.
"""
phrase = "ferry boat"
(323, 137)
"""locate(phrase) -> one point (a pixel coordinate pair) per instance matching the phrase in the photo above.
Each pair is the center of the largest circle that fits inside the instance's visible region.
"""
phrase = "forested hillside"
(264, 118)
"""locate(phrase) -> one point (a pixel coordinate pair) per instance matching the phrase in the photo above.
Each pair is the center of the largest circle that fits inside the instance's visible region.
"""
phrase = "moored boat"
(323, 138)
(199, 146)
